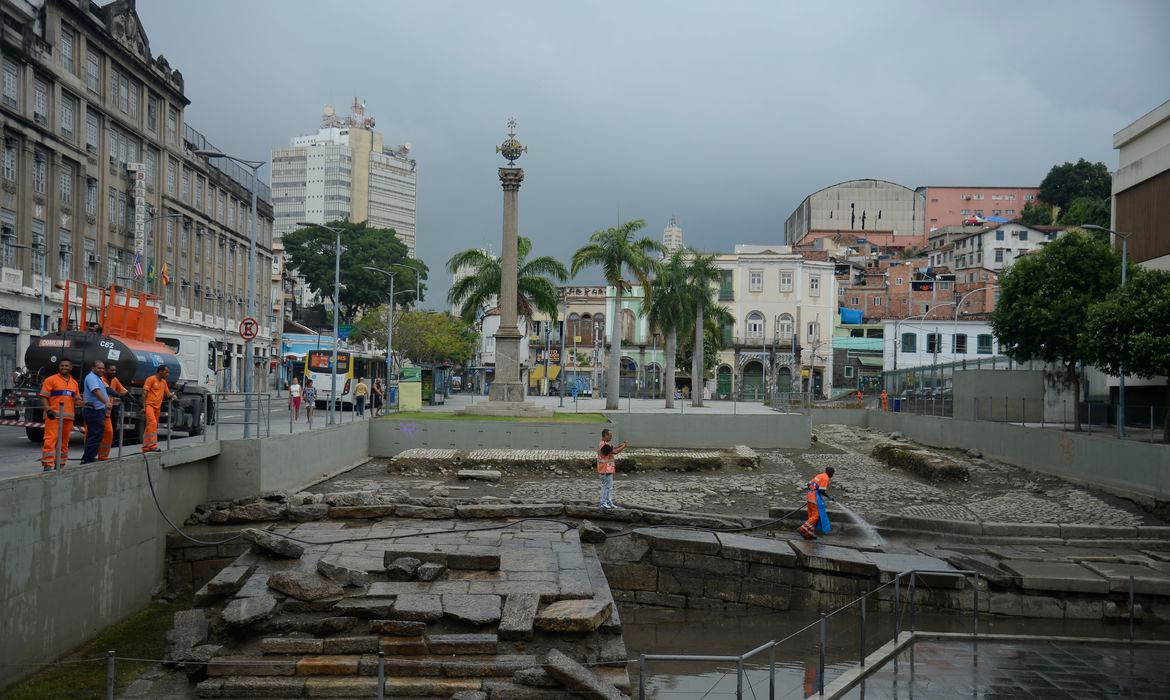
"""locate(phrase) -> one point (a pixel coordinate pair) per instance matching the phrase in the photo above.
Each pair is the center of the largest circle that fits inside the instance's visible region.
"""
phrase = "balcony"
(726, 294)
(756, 341)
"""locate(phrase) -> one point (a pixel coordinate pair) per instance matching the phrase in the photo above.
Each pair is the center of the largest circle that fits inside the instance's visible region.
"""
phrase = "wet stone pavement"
(1009, 670)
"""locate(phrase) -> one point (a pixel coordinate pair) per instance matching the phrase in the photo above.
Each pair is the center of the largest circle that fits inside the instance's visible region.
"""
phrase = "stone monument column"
(507, 385)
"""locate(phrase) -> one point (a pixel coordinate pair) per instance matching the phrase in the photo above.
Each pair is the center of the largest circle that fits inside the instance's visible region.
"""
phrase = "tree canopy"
(1130, 330)
(1087, 210)
(1036, 213)
(433, 337)
(534, 281)
(1068, 182)
(311, 254)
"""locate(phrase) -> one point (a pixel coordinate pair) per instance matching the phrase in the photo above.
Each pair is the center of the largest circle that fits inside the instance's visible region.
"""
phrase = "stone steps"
(269, 688)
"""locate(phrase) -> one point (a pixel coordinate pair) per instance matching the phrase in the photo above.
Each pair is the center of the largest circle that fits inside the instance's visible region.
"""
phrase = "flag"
(166, 277)
(149, 271)
(137, 267)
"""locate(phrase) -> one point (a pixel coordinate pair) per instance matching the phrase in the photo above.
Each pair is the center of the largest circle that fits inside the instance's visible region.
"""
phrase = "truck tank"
(136, 359)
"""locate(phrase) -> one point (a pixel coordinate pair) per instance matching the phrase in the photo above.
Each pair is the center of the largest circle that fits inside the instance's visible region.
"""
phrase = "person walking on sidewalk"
(361, 392)
(294, 398)
(59, 398)
(607, 465)
(117, 391)
(815, 491)
(377, 395)
(310, 393)
(95, 411)
(154, 390)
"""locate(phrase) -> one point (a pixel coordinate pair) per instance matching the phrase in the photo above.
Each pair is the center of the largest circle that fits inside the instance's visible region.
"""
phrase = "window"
(93, 71)
(91, 196)
(898, 281)
(933, 343)
(999, 255)
(112, 206)
(909, 342)
(1023, 235)
(67, 48)
(66, 184)
(40, 101)
(152, 113)
(786, 281)
(812, 331)
(90, 261)
(40, 172)
(9, 159)
(755, 325)
(877, 301)
(1029, 197)
(959, 344)
(984, 344)
(68, 116)
(756, 280)
(120, 90)
(11, 94)
(151, 166)
(199, 193)
(185, 185)
(814, 285)
(784, 327)
(999, 235)
(93, 130)
(172, 175)
(8, 247)
(848, 371)
(172, 126)
(65, 241)
(855, 300)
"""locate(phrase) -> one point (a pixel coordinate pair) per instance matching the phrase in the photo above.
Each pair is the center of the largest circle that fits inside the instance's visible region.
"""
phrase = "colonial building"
(86, 106)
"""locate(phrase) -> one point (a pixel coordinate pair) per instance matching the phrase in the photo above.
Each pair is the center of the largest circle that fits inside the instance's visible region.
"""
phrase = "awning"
(867, 361)
(536, 373)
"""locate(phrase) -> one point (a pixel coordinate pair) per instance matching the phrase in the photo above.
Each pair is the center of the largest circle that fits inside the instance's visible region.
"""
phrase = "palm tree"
(668, 311)
(702, 275)
(614, 250)
(534, 286)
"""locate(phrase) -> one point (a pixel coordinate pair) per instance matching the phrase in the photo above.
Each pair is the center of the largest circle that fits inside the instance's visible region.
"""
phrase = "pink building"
(952, 206)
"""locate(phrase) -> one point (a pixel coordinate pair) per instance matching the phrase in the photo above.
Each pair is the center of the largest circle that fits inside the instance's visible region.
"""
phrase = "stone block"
(573, 615)
(715, 565)
(430, 687)
(986, 566)
(364, 607)
(519, 616)
(404, 646)
(423, 512)
(420, 607)
(328, 666)
(1038, 606)
(671, 559)
(402, 568)
(351, 498)
(305, 586)
(775, 596)
(462, 643)
(664, 600)
(475, 610)
(328, 625)
(491, 475)
(249, 666)
(579, 678)
(210, 688)
(680, 582)
(335, 569)
(256, 512)
(471, 557)
(756, 549)
(1146, 580)
(637, 577)
(262, 687)
(242, 612)
(723, 588)
(1021, 530)
(574, 583)
(308, 512)
(429, 571)
(588, 532)
(226, 582)
(189, 630)
(507, 690)
(325, 687)
(1072, 531)
(825, 557)
(485, 665)
(398, 628)
(631, 549)
(623, 515)
(470, 695)
(1154, 532)
(291, 645)
(350, 645)
(673, 540)
(510, 510)
(273, 545)
(536, 677)
(891, 565)
(686, 519)
(382, 510)
(1065, 577)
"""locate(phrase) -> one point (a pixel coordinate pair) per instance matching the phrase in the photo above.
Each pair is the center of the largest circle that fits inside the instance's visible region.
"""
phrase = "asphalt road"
(19, 456)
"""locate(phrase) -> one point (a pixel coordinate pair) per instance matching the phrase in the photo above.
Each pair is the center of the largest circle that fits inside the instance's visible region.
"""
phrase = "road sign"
(249, 328)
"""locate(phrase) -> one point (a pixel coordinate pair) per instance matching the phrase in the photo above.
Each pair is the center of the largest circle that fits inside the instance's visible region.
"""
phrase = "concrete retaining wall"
(389, 437)
(697, 430)
(1016, 392)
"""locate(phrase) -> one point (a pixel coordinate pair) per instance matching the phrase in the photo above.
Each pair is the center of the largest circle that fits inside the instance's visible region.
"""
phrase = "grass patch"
(140, 636)
(557, 417)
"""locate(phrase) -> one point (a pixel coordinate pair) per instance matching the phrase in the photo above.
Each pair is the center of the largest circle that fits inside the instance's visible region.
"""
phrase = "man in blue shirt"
(97, 403)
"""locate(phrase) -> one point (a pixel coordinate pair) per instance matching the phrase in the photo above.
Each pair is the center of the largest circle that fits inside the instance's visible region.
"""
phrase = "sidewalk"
(627, 405)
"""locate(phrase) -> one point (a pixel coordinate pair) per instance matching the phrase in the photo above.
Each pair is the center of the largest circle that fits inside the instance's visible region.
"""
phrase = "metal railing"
(1142, 422)
(791, 401)
(231, 401)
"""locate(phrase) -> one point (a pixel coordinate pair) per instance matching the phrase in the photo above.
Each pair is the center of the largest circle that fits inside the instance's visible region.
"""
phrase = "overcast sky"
(725, 113)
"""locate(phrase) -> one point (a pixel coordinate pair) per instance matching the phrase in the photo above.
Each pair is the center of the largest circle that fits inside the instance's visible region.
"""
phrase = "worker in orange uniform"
(814, 489)
(119, 391)
(885, 400)
(59, 397)
(154, 390)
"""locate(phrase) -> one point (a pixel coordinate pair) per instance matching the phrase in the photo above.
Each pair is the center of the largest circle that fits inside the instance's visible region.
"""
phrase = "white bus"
(351, 365)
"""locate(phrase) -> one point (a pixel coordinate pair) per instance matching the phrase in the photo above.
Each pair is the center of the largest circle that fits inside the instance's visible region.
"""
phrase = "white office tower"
(672, 236)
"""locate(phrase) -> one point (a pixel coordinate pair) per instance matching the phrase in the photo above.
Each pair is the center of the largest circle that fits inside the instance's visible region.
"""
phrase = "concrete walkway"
(628, 405)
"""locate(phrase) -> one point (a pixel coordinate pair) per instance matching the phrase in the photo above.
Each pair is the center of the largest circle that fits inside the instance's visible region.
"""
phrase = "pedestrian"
(310, 394)
(294, 398)
(815, 490)
(59, 398)
(607, 465)
(885, 400)
(117, 391)
(360, 392)
(154, 390)
(95, 411)
(379, 397)
(860, 397)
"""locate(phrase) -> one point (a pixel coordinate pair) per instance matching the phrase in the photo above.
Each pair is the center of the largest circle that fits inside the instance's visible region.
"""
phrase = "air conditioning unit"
(66, 247)
(94, 259)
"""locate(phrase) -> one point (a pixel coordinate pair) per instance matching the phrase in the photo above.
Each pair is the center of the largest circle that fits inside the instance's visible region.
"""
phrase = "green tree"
(1129, 331)
(1036, 213)
(616, 250)
(668, 312)
(713, 324)
(700, 293)
(1045, 299)
(311, 254)
(1068, 182)
(534, 281)
(1086, 210)
(429, 338)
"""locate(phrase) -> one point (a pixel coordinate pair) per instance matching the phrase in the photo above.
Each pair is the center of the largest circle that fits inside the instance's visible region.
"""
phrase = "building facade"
(996, 247)
(875, 211)
(956, 206)
(345, 171)
(919, 342)
(1141, 187)
(672, 235)
(85, 107)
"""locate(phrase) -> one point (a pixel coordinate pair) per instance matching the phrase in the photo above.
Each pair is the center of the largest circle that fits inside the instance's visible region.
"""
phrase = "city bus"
(351, 365)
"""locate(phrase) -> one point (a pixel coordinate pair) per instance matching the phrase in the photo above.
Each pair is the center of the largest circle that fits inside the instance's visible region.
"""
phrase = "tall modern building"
(672, 236)
(345, 172)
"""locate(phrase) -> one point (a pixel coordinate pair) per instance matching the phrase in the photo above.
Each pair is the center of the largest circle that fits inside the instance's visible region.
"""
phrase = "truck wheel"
(200, 424)
(36, 435)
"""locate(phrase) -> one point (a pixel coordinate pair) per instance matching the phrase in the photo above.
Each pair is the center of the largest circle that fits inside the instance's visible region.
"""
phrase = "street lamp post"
(564, 329)
(390, 320)
(1121, 374)
(336, 311)
(249, 343)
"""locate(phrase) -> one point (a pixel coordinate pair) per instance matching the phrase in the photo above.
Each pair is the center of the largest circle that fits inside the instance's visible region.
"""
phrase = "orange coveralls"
(62, 394)
(108, 436)
(154, 390)
(814, 513)
(885, 401)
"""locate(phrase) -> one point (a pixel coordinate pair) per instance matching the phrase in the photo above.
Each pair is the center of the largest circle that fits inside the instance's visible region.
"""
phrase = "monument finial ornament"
(511, 148)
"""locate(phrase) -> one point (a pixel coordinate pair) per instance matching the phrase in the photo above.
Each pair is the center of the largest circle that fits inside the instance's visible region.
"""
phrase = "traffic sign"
(249, 328)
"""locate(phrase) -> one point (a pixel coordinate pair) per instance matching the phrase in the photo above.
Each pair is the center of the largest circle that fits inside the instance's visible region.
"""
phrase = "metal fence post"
(381, 675)
(218, 409)
(1152, 423)
(1023, 411)
(268, 428)
(772, 672)
(1131, 608)
(1090, 411)
(913, 587)
(861, 630)
(110, 675)
(170, 421)
(821, 661)
(59, 454)
(975, 604)
(897, 606)
(121, 428)
(206, 415)
(739, 678)
(1065, 402)
(641, 677)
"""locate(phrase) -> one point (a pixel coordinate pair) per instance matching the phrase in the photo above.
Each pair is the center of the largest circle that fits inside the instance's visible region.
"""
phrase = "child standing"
(606, 466)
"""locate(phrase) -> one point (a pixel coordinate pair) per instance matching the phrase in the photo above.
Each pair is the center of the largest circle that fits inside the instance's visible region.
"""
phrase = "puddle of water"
(719, 633)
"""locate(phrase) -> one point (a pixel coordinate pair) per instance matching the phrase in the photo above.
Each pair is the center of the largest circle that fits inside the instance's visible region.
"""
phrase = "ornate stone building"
(84, 106)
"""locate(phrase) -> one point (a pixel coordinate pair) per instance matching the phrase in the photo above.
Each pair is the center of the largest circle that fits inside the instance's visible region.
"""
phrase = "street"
(19, 456)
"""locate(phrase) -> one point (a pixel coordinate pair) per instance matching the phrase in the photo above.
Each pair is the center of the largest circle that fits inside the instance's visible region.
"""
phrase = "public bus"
(351, 364)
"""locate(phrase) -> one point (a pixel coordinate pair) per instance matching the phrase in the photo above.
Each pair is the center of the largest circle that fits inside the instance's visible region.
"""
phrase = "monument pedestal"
(507, 392)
